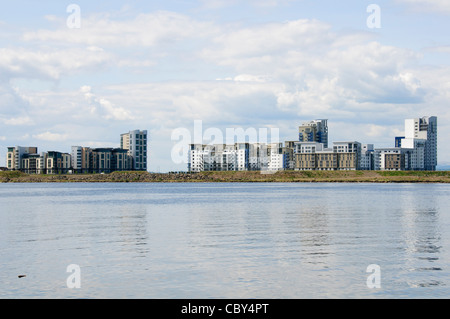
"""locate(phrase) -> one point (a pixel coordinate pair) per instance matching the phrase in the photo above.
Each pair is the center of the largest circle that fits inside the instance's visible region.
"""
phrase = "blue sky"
(160, 65)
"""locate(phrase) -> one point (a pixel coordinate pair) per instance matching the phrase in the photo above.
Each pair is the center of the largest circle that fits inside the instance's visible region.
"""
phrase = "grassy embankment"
(283, 176)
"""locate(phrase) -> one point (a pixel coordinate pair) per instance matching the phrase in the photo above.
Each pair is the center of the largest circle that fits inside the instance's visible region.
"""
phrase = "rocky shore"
(282, 176)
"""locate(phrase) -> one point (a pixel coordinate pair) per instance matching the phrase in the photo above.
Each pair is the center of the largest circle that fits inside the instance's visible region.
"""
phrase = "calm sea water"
(225, 240)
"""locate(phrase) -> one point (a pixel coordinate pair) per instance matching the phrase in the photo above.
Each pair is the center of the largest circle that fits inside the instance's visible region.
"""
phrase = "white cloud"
(439, 49)
(18, 121)
(218, 4)
(146, 30)
(104, 108)
(49, 64)
(52, 137)
(2, 138)
(244, 47)
(439, 6)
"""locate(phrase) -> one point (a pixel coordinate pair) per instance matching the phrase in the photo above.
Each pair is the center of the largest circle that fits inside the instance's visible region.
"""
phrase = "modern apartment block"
(29, 161)
(314, 131)
(15, 154)
(389, 159)
(367, 157)
(136, 144)
(82, 159)
(236, 157)
(57, 162)
(315, 156)
(424, 129)
(100, 160)
(219, 157)
(417, 150)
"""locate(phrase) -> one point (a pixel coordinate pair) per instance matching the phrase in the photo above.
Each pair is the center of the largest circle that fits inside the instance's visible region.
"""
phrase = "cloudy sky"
(161, 65)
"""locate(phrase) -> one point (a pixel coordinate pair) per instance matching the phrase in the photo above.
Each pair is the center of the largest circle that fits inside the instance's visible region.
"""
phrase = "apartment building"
(100, 160)
(82, 159)
(236, 157)
(15, 155)
(315, 156)
(415, 153)
(46, 163)
(389, 159)
(416, 150)
(349, 155)
(367, 157)
(57, 162)
(218, 157)
(136, 144)
(314, 131)
(288, 155)
(424, 129)
(33, 164)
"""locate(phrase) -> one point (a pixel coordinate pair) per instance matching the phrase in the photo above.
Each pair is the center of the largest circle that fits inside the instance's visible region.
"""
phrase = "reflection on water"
(224, 240)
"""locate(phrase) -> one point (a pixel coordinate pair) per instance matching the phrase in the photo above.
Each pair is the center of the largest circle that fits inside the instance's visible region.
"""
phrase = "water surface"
(237, 240)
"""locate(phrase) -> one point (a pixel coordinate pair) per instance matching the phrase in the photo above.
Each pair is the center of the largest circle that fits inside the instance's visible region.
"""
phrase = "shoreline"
(237, 177)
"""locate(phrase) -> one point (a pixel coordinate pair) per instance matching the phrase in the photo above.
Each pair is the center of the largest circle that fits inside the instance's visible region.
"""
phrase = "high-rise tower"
(136, 144)
(424, 128)
(314, 131)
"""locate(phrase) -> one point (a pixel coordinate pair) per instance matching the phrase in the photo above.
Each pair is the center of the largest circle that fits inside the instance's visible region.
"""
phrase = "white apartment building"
(275, 157)
(236, 157)
(136, 144)
(414, 153)
(308, 147)
(76, 154)
(424, 129)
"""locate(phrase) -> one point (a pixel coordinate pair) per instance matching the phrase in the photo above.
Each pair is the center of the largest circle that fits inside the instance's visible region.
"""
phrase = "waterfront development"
(415, 151)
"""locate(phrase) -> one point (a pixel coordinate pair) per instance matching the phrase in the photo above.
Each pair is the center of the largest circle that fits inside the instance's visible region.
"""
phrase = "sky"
(84, 72)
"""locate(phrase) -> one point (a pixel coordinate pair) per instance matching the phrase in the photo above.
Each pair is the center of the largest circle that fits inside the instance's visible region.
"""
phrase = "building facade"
(315, 156)
(236, 157)
(314, 131)
(389, 159)
(137, 145)
(367, 157)
(15, 155)
(424, 128)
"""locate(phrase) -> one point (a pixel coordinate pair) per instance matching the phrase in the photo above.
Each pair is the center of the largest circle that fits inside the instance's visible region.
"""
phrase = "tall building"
(314, 131)
(76, 154)
(136, 144)
(424, 128)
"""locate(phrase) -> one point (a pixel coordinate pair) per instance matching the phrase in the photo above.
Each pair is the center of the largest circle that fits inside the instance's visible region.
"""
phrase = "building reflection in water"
(422, 239)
